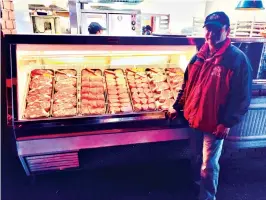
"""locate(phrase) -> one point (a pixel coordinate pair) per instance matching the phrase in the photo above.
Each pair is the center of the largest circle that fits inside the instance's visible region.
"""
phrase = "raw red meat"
(68, 71)
(145, 86)
(149, 95)
(144, 107)
(113, 100)
(142, 95)
(126, 109)
(63, 95)
(124, 100)
(72, 100)
(125, 105)
(68, 82)
(96, 104)
(136, 100)
(92, 96)
(112, 92)
(111, 84)
(123, 96)
(38, 97)
(57, 107)
(91, 84)
(42, 90)
(34, 112)
(137, 107)
(134, 90)
(96, 78)
(140, 90)
(113, 96)
(35, 84)
(96, 111)
(143, 101)
(129, 77)
(92, 90)
(65, 113)
(164, 107)
(162, 99)
(61, 77)
(122, 91)
(40, 104)
(115, 105)
(41, 72)
(41, 78)
(151, 100)
(151, 106)
(115, 110)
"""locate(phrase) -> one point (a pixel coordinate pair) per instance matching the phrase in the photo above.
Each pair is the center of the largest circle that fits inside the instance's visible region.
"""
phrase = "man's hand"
(221, 131)
(172, 113)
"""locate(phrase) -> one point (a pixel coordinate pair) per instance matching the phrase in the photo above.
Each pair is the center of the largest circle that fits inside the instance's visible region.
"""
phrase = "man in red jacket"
(215, 95)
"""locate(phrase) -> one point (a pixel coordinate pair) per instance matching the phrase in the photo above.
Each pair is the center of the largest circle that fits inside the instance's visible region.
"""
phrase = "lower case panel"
(52, 154)
(68, 144)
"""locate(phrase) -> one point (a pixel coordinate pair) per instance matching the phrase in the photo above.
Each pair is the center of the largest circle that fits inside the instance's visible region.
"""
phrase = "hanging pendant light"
(250, 5)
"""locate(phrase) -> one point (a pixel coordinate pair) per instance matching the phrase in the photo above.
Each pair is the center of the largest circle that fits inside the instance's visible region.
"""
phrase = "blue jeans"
(206, 152)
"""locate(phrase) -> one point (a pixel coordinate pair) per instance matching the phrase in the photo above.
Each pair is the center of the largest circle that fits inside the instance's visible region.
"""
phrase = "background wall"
(228, 6)
(181, 11)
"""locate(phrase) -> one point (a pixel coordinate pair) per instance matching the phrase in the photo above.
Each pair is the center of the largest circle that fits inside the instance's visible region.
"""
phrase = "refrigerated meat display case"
(67, 94)
(70, 93)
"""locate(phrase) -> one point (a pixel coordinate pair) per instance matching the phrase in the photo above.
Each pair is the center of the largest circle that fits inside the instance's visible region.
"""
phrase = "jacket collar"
(203, 52)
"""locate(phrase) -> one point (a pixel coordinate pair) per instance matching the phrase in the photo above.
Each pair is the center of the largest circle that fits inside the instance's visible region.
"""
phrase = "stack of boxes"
(8, 23)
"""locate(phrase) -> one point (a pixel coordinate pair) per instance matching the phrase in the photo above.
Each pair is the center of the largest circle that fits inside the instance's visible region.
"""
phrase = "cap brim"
(218, 24)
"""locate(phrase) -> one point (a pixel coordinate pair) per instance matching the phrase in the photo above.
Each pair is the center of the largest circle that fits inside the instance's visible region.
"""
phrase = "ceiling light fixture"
(250, 5)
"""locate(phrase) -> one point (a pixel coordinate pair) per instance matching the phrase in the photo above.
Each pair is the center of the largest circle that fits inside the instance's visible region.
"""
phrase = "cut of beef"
(63, 95)
(92, 97)
(40, 104)
(35, 84)
(68, 71)
(92, 90)
(68, 82)
(41, 78)
(38, 97)
(41, 72)
(72, 100)
(91, 84)
(96, 104)
(41, 90)
(92, 111)
(59, 86)
(65, 112)
(57, 107)
(34, 112)
(115, 110)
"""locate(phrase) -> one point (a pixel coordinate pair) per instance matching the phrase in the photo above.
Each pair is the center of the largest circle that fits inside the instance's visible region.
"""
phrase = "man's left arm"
(238, 99)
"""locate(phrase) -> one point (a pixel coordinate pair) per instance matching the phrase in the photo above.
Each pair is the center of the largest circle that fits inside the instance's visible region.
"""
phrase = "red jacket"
(217, 89)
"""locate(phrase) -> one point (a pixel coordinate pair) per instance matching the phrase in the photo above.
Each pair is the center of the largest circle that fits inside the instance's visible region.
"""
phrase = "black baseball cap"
(94, 27)
(218, 19)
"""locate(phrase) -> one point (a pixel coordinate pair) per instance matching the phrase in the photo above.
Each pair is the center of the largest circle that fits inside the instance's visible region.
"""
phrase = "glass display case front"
(78, 81)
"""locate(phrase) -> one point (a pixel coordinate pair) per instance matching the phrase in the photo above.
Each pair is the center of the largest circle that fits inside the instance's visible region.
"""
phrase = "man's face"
(215, 35)
(100, 32)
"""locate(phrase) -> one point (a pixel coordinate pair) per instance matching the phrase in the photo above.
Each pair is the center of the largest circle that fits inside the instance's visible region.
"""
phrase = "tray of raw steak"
(38, 99)
(175, 77)
(65, 93)
(92, 92)
(160, 87)
(117, 92)
(141, 94)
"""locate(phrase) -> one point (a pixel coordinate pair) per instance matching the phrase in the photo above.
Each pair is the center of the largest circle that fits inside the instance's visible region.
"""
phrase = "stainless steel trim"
(111, 11)
(67, 144)
(24, 165)
(72, 4)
